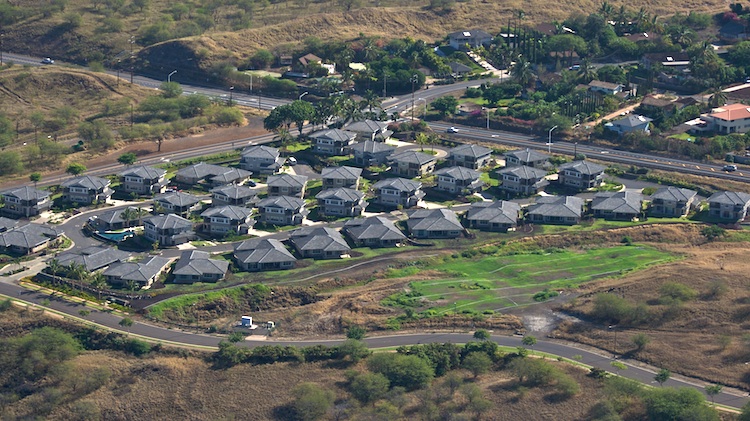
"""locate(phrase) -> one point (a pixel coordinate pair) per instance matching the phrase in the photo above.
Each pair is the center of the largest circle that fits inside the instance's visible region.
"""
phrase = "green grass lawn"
(498, 282)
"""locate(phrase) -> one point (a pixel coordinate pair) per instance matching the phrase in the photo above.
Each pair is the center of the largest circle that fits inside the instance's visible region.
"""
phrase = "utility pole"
(231, 91)
(414, 79)
(132, 57)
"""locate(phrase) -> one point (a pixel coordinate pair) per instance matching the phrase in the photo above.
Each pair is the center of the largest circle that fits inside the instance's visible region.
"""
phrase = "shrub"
(675, 292)
(408, 371)
(713, 232)
(545, 295)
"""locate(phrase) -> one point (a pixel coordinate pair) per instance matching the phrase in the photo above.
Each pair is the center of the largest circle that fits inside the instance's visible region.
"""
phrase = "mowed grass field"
(499, 282)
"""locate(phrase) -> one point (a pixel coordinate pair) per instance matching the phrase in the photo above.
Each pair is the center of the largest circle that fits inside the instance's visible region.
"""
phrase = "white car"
(292, 161)
(452, 130)
(48, 60)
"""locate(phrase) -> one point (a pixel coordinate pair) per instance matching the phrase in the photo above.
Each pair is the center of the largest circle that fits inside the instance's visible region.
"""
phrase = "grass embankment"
(494, 283)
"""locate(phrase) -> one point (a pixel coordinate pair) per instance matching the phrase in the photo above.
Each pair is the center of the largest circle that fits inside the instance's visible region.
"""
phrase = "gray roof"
(472, 33)
(7, 223)
(87, 182)
(195, 262)
(28, 236)
(234, 213)
(527, 155)
(376, 227)
(93, 258)
(113, 216)
(626, 202)
(143, 171)
(26, 193)
(142, 271)
(474, 151)
(318, 238)
(500, 212)
(412, 157)
(201, 170)
(401, 184)
(287, 180)
(433, 220)
(583, 167)
(343, 193)
(562, 206)
(284, 202)
(458, 67)
(369, 146)
(234, 191)
(262, 250)
(231, 175)
(169, 221)
(524, 173)
(730, 198)
(674, 193)
(178, 199)
(341, 173)
(632, 120)
(367, 126)
(261, 152)
(335, 135)
(459, 173)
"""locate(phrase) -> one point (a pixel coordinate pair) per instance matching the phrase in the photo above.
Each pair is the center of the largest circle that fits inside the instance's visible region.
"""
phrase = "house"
(728, 206)
(86, 189)
(412, 164)
(376, 231)
(177, 202)
(229, 219)
(469, 156)
(466, 40)
(7, 223)
(230, 176)
(261, 160)
(29, 238)
(621, 206)
(93, 258)
(672, 202)
(564, 210)
(320, 243)
(369, 153)
(340, 202)
(605, 88)
(527, 157)
(142, 274)
(733, 32)
(459, 180)
(733, 118)
(650, 105)
(631, 123)
(434, 223)
(234, 195)
(676, 61)
(286, 185)
(282, 210)
(260, 254)
(376, 131)
(459, 70)
(332, 141)
(309, 59)
(143, 180)
(493, 216)
(334, 177)
(117, 219)
(168, 230)
(196, 173)
(197, 266)
(581, 175)
(395, 192)
(523, 180)
(25, 202)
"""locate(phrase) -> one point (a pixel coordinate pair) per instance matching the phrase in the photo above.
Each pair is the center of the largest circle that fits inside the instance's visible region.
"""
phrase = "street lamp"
(118, 72)
(488, 116)
(549, 140)
(169, 76)
(231, 91)
(251, 82)
(414, 79)
(303, 94)
(132, 57)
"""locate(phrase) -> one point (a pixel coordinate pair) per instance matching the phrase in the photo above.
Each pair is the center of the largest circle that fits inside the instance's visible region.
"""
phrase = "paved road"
(176, 337)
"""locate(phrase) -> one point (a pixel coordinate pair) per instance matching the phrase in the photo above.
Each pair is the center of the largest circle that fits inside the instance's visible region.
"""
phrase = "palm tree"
(54, 267)
(606, 9)
(422, 139)
(370, 100)
(99, 282)
(718, 98)
(522, 72)
(284, 136)
(587, 72)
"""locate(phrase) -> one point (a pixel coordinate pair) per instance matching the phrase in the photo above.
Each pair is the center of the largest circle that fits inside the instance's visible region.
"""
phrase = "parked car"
(730, 168)
(292, 161)
(48, 60)
(251, 183)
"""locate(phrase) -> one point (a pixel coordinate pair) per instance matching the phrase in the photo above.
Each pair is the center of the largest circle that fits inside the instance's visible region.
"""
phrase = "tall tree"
(35, 177)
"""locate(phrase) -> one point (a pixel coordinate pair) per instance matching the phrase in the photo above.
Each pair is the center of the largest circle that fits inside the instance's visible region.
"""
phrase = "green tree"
(311, 402)
(35, 177)
(97, 133)
(477, 363)
(529, 341)
(356, 332)
(408, 371)
(354, 349)
(10, 163)
(713, 232)
(712, 390)
(618, 366)
(261, 59)
(75, 169)
(33, 356)
(170, 89)
(745, 414)
(678, 404)
(445, 105)
(522, 72)
(481, 334)
(369, 388)
(128, 158)
(662, 376)
(235, 337)
(126, 322)
(640, 341)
